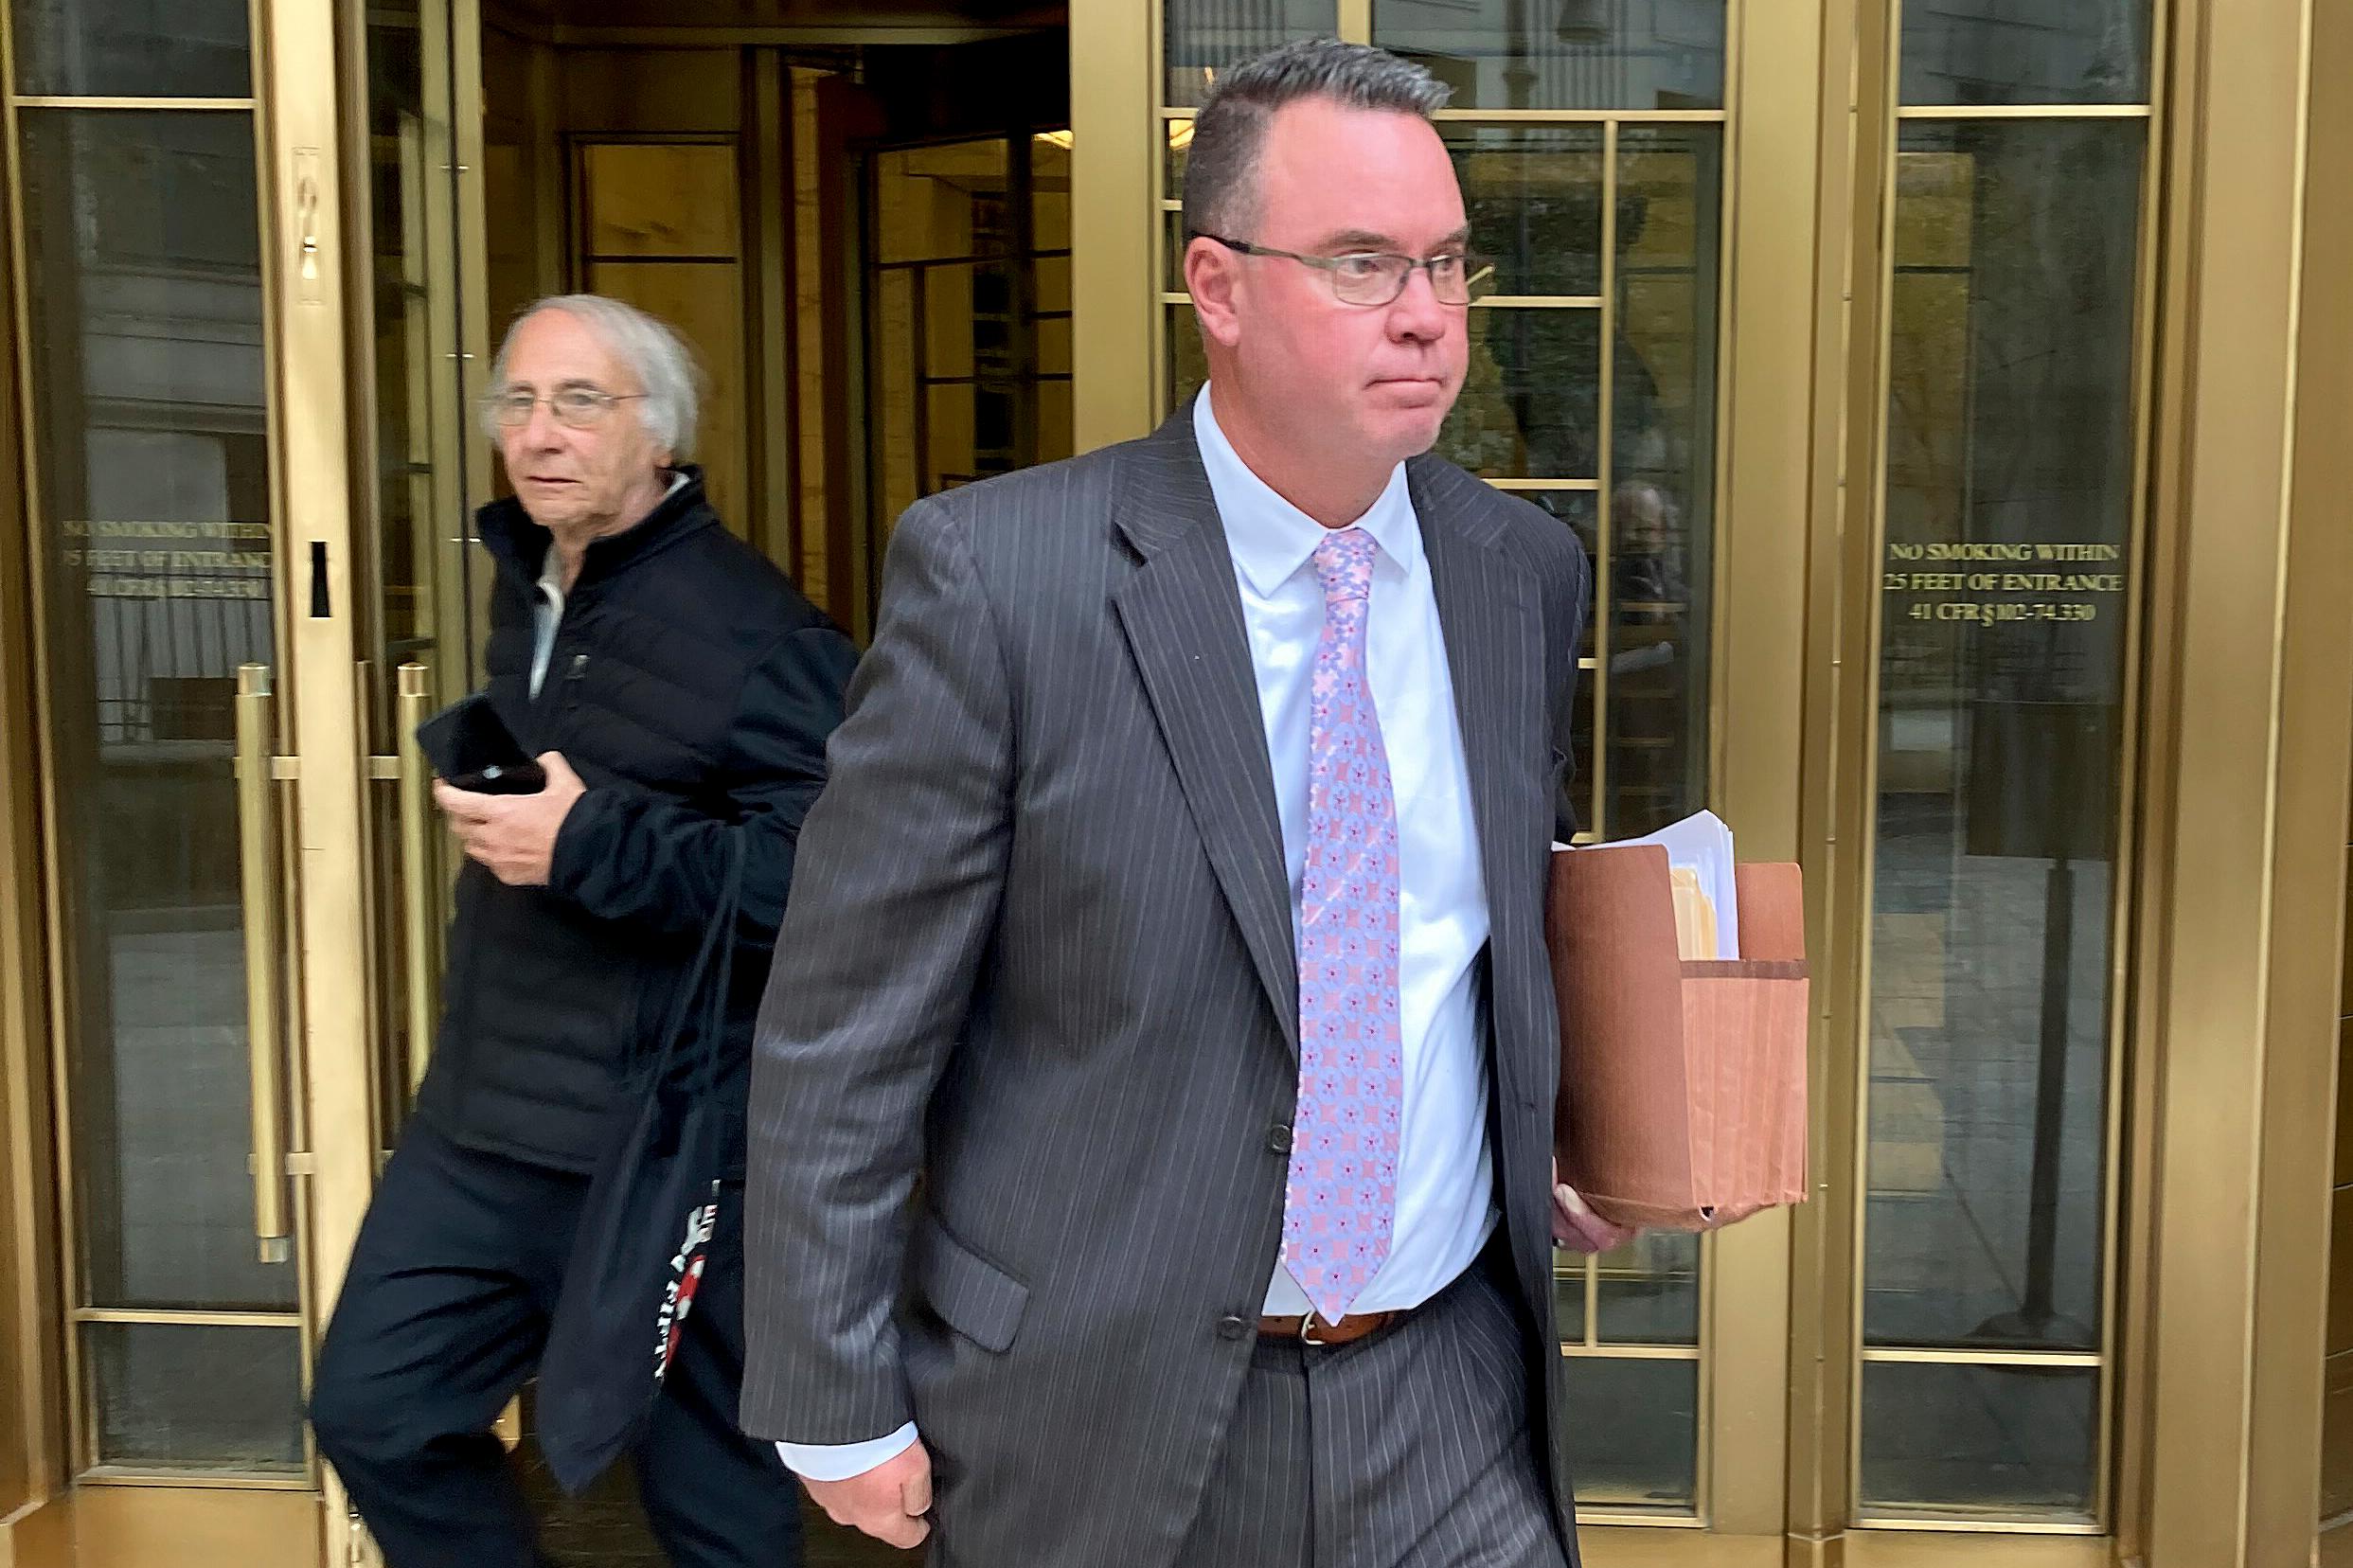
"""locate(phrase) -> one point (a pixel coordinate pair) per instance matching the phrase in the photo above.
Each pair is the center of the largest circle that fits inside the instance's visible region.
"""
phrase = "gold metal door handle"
(420, 884)
(256, 823)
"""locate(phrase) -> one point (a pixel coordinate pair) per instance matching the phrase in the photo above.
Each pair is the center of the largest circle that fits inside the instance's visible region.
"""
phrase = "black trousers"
(441, 1320)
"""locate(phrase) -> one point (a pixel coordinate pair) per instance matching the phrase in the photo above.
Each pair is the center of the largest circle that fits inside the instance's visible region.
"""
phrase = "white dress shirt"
(1445, 1192)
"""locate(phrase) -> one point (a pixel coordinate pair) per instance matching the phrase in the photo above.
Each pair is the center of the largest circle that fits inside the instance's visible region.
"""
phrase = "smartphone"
(472, 748)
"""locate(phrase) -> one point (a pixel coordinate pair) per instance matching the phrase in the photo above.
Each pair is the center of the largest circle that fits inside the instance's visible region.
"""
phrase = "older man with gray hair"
(678, 692)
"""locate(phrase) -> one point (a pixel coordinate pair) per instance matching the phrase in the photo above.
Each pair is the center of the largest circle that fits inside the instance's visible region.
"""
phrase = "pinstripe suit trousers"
(1410, 1448)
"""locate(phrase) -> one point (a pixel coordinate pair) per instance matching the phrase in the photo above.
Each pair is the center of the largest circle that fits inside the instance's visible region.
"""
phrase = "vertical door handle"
(421, 888)
(258, 849)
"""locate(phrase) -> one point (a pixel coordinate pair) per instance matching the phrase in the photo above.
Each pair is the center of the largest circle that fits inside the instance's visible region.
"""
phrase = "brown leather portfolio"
(1683, 1081)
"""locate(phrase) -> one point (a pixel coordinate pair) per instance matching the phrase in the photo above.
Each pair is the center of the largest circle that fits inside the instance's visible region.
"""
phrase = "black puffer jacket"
(692, 687)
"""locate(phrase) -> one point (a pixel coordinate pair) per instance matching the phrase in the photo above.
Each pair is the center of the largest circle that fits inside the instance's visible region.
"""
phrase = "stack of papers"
(1707, 906)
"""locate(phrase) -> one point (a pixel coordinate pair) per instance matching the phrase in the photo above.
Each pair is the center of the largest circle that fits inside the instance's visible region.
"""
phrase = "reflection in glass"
(1634, 1432)
(1534, 198)
(1996, 51)
(1563, 54)
(2001, 673)
(968, 370)
(132, 48)
(943, 202)
(2005, 1439)
(194, 1396)
(1531, 402)
(1188, 366)
(155, 513)
(2010, 448)
(1662, 472)
(1650, 1291)
(1206, 36)
(1568, 1295)
(1575, 509)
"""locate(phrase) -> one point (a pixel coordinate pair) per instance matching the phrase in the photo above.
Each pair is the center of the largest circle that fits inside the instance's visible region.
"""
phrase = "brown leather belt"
(1312, 1329)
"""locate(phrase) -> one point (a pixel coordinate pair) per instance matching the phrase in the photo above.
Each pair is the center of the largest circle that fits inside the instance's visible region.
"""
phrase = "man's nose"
(1416, 312)
(542, 431)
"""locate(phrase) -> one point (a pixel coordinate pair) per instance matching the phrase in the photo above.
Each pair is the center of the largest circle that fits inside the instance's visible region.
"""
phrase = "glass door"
(176, 223)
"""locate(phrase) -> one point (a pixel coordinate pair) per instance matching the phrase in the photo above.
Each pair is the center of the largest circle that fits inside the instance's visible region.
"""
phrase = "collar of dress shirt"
(1269, 537)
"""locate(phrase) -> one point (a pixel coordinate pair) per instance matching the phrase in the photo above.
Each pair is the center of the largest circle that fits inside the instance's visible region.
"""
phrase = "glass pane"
(1650, 1291)
(1529, 408)
(132, 48)
(1999, 51)
(154, 513)
(414, 594)
(1534, 196)
(940, 202)
(1568, 1295)
(1188, 366)
(1180, 140)
(182, 1397)
(1574, 508)
(949, 438)
(1172, 255)
(1662, 471)
(1634, 1432)
(1206, 36)
(2009, 493)
(2004, 1438)
(1049, 186)
(893, 433)
(1568, 53)
(651, 199)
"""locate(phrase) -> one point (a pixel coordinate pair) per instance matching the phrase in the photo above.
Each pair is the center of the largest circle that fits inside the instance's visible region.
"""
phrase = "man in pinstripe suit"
(1175, 912)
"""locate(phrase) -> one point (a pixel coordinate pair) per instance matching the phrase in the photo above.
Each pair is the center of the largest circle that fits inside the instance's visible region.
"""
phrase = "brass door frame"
(315, 773)
(2249, 762)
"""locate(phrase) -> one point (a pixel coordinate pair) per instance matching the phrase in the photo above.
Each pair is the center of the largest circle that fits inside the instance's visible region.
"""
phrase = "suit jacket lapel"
(1183, 618)
(1494, 653)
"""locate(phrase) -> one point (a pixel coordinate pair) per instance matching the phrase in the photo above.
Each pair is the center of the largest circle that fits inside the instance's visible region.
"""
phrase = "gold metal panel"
(655, 198)
(304, 279)
(1648, 1546)
(2244, 1029)
(1854, 131)
(1897, 1549)
(194, 1525)
(1115, 168)
(1756, 707)
(2315, 764)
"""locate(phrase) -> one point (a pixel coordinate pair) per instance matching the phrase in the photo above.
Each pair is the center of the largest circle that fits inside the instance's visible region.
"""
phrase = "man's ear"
(1212, 276)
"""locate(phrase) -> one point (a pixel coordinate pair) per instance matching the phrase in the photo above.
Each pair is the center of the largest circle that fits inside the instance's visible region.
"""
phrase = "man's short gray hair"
(649, 348)
(1229, 131)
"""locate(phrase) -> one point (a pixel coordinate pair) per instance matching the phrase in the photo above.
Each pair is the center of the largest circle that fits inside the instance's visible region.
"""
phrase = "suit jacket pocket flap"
(970, 1295)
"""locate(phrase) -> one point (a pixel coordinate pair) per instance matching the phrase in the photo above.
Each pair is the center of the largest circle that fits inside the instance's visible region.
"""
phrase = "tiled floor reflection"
(604, 1528)
(1962, 945)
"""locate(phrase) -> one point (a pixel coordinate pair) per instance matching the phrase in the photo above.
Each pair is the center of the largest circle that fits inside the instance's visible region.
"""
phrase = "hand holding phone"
(472, 748)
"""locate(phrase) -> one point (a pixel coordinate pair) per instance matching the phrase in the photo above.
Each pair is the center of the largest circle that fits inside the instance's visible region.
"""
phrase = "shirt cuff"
(840, 1461)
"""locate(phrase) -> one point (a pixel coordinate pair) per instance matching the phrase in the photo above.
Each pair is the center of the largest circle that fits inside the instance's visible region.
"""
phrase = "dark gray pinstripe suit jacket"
(1037, 971)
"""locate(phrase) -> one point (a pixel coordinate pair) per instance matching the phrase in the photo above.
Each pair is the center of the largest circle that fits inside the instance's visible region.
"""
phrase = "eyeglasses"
(1377, 278)
(574, 407)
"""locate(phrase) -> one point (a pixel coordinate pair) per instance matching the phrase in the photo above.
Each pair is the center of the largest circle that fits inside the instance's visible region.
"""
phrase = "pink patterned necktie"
(1340, 1205)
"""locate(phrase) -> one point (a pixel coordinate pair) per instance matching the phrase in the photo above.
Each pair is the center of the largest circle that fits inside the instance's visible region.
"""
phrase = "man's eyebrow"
(1367, 239)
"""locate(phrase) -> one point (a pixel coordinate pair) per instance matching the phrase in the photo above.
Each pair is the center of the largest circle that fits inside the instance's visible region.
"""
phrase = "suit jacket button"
(1279, 1139)
(1232, 1328)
